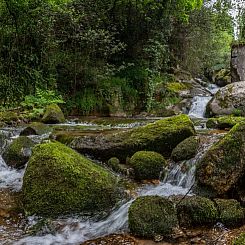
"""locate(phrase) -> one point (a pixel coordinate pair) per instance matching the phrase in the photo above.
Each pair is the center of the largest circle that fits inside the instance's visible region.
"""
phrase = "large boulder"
(161, 136)
(228, 100)
(238, 62)
(18, 152)
(53, 114)
(147, 165)
(222, 77)
(224, 122)
(35, 128)
(59, 181)
(152, 215)
(196, 210)
(223, 165)
(185, 149)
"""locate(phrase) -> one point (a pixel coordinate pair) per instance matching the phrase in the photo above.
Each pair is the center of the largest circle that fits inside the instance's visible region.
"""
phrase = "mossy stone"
(230, 211)
(224, 122)
(196, 210)
(60, 181)
(35, 128)
(147, 165)
(152, 215)
(185, 149)
(114, 164)
(53, 114)
(224, 163)
(9, 117)
(161, 136)
(240, 240)
(18, 152)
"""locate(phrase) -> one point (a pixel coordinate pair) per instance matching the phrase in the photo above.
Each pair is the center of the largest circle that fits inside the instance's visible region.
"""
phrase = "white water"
(199, 103)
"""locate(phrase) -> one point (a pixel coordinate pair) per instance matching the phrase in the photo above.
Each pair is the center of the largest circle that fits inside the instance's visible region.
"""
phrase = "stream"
(74, 230)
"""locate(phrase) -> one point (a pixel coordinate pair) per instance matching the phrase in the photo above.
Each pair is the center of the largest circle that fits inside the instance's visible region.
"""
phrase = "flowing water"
(199, 103)
(75, 230)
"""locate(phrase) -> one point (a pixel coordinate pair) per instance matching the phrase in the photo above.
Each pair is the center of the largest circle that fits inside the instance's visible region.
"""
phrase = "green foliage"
(240, 240)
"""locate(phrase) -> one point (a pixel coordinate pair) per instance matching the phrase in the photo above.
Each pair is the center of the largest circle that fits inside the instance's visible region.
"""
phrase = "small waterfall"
(199, 103)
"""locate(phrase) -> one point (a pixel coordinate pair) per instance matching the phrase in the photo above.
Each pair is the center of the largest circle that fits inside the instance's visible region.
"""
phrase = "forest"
(105, 57)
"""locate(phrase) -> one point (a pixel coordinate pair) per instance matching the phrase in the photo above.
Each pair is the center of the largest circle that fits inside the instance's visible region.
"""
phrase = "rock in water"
(53, 114)
(186, 149)
(161, 136)
(228, 100)
(18, 152)
(35, 128)
(152, 215)
(59, 181)
(223, 165)
(147, 165)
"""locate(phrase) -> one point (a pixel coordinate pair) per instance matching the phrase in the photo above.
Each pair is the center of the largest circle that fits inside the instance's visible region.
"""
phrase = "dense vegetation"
(103, 56)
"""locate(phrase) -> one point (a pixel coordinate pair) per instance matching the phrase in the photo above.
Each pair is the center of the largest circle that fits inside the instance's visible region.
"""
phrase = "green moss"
(224, 163)
(53, 114)
(224, 122)
(35, 128)
(239, 240)
(60, 181)
(18, 152)
(161, 136)
(196, 210)
(114, 164)
(230, 212)
(152, 215)
(176, 86)
(186, 149)
(147, 165)
(8, 117)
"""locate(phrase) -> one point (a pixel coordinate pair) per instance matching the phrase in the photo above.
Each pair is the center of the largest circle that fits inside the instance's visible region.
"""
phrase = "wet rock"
(230, 212)
(18, 152)
(224, 122)
(152, 215)
(196, 210)
(58, 181)
(113, 240)
(53, 114)
(228, 100)
(161, 136)
(223, 165)
(147, 165)
(35, 128)
(185, 149)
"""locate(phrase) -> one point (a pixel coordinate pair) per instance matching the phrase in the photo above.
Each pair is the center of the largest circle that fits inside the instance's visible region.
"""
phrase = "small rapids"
(199, 103)
(75, 230)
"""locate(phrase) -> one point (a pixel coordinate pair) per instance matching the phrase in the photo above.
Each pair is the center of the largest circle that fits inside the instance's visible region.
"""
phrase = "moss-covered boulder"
(224, 122)
(152, 215)
(9, 117)
(53, 114)
(185, 149)
(147, 165)
(115, 165)
(228, 100)
(240, 240)
(230, 211)
(35, 128)
(224, 163)
(196, 210)
(18, 152)
(59, 181)
(161, 136)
